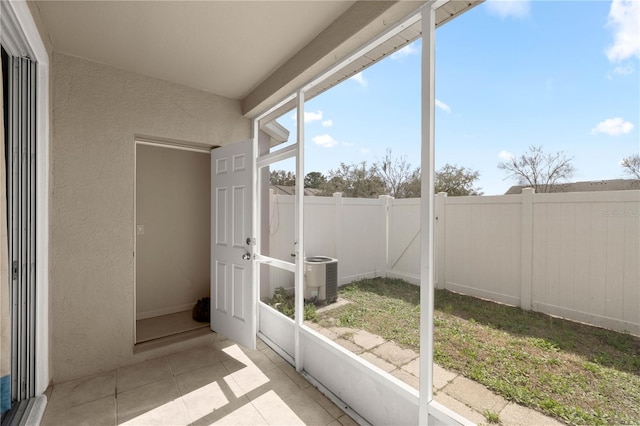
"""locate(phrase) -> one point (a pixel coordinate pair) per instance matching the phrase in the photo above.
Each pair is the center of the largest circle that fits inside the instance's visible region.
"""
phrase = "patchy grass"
(284, 302)
(574, 372)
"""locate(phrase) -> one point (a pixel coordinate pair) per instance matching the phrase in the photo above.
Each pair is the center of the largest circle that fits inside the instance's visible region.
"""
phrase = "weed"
(491, 416)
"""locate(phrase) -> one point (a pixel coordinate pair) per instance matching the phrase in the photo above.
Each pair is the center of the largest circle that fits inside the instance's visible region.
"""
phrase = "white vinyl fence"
(575, 255)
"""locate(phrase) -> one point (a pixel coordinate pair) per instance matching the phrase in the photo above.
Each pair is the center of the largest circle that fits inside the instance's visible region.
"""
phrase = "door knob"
(246, 256)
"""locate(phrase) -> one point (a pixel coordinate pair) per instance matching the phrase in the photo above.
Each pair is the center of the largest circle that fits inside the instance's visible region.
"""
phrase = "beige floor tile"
(275, 411)
(297, 378)
(244, 415)
(83, 390)
(222, 342)
(308, 409)
(206, 400)
(261, 360)
(94, 413)
(324, 402)
(196, 358)
(198, 417)
(274, 357)
(281, 383)
(237, 352)
(205, 391)
(261, 345)
(345, 420)
(246, 380)
(155, 403)
(196, 379)
(141, 374)
(232, 365)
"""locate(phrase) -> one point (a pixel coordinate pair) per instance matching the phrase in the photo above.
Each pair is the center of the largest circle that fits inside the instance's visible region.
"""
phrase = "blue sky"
(561, 74)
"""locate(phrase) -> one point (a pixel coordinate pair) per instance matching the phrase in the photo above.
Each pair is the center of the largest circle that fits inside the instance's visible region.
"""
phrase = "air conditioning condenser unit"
(320, 279)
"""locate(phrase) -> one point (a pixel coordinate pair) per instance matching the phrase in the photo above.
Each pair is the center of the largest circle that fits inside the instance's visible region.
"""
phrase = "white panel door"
(233, 304)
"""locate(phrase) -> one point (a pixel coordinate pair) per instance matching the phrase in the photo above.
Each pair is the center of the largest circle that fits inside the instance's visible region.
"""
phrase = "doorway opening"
(172, 238)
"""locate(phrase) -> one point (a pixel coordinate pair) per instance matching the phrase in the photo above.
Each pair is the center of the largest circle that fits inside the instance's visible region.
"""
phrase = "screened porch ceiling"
(257, 52)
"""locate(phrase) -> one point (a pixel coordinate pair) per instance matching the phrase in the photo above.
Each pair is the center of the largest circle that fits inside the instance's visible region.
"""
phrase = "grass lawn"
(574, 372)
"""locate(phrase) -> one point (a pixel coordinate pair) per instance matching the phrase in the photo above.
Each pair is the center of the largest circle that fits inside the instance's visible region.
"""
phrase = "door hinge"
(15, 269)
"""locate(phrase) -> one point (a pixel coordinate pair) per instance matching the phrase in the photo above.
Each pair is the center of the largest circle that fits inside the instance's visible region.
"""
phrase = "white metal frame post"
(255, 223)
(299, 231)
(426, 211)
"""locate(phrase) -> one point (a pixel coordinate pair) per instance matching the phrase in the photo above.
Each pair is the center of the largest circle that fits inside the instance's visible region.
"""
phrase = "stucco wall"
(97, 111)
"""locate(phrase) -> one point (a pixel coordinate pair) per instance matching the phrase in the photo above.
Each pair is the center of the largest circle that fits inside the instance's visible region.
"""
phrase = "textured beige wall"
(97, 111)
(173, 203)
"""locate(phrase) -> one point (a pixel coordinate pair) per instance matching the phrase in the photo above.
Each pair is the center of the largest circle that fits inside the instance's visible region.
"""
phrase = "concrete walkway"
(464, 396)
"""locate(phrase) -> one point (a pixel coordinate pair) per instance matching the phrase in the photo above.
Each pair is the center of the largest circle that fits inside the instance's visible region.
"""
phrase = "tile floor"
(217, 383)
(166, 325)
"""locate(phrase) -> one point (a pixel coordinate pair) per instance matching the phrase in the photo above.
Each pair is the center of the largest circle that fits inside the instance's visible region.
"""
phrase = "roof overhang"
(257, 52)
(445, 12)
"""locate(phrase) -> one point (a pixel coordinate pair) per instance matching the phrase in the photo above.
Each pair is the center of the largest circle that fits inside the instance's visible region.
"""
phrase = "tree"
(281, 177)
(456, 180)
(314, 180)
(631, 165)
(398, 177)
(539, 170)
(354, 180)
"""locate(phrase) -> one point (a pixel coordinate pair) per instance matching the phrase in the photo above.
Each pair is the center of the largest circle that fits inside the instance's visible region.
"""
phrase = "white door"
(233, 301)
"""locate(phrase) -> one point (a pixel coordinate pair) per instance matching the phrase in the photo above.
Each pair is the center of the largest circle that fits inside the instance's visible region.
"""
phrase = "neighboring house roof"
(291, 190)
(586, 186)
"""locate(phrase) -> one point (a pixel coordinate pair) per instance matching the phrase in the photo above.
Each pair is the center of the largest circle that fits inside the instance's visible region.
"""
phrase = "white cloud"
(325, 140)
(509, 8)
(408, 50)
(627, 69)
(308, 116)
(613, 127)
(446, 108)
(623, 70)
(360, 79)
(327, 123)
(348, 144)
(505, 155)
(624, 18)
(365, 150)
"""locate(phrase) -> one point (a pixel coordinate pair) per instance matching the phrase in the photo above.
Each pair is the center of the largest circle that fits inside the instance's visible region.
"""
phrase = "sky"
(564, 75)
